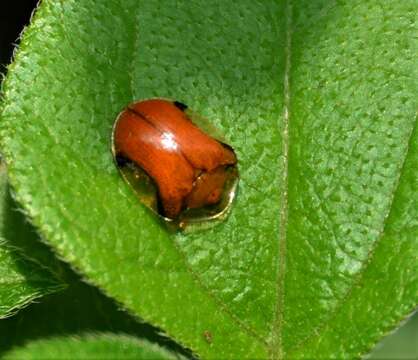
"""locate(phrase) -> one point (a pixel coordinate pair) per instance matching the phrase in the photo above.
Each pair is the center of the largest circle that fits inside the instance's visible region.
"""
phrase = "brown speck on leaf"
(208, 336)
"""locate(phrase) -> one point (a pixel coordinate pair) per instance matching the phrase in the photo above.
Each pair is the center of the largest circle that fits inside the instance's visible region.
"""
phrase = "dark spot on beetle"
(227, 146)
(160, 207)
(208, 336)
(180, 105)
(121, 161)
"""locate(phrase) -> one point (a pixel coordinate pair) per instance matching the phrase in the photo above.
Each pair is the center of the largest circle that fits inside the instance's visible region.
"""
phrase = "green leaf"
(319, 255)
(99, 346)
(78, 309)
(21, 280)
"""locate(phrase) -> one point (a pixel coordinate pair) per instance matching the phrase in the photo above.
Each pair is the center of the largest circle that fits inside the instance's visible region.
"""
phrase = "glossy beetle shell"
(189, 167)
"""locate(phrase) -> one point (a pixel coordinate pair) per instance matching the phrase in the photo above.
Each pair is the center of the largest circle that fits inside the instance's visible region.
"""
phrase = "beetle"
(188, 166)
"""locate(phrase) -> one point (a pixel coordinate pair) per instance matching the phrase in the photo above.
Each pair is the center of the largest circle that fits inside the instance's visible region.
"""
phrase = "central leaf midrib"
(241, 325)
(276, 346)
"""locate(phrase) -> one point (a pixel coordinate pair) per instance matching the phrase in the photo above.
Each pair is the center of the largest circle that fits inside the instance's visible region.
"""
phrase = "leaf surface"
(318, 257)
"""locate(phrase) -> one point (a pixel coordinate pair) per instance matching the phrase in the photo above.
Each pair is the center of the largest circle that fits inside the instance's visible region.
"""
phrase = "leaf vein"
(358, 280)
(276, 347)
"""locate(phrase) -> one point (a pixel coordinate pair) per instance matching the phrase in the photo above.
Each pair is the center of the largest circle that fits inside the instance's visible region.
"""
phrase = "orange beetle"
(187, 165)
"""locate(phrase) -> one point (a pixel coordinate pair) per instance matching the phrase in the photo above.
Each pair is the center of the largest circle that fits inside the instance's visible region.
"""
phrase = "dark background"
(15, 14)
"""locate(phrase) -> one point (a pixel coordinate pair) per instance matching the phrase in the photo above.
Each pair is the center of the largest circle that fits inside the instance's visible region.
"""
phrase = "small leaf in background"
(21, 279)
(319, 255)
(20, 233)
(97, 346)
(402, 344)
(78, 309)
